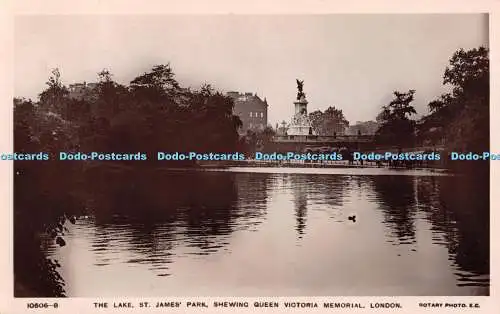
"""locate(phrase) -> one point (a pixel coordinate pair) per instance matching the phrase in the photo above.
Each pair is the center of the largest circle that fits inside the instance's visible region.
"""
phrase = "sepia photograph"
(252, 155)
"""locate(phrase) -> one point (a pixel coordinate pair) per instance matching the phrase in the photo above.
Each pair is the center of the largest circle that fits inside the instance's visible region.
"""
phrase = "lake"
(269, 232)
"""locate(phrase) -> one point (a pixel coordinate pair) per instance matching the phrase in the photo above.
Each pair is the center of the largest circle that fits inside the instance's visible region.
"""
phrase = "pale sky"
(353, 62)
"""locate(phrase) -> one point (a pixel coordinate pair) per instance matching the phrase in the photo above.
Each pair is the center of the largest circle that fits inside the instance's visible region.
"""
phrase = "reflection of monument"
(300, 124)
(300, 188)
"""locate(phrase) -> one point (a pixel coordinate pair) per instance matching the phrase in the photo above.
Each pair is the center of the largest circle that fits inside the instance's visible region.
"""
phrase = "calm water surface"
(247, 233)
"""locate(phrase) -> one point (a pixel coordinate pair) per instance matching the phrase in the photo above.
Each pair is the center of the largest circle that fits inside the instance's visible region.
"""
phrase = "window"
(250, 114)
(262, 115)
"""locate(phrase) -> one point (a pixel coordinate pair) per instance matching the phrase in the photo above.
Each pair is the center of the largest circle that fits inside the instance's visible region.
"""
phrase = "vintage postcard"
(235, 158)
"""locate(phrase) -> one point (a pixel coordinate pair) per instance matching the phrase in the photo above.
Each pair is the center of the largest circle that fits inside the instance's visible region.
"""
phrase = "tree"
(330, 122)
(265, 137)
(316, 118)
(150, 115)
(55, 95)
(462, 116)
(157, 85)
(396, 126)
(468, 72)
(38, 185)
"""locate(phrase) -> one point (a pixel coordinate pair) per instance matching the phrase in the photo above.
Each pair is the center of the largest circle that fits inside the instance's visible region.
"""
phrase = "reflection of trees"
(396, 196)
(458, 208)
(441, 216)
(252, 191)
(189, 209)
(363, 186)
(43, 193)
(326, 191)
(473, 209)
(210, 207)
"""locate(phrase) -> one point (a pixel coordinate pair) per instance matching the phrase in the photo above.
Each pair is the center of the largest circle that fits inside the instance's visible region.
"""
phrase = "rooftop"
(245, 96)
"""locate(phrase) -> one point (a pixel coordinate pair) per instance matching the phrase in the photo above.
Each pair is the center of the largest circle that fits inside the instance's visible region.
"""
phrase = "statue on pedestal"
(300, 87)
(300, 121)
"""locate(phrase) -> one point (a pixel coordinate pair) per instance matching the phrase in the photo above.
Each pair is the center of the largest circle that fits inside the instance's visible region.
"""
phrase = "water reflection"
(397, 199)
(300, 186)
(197, 213)
(459, 213)
(223, 233)
(318, 193)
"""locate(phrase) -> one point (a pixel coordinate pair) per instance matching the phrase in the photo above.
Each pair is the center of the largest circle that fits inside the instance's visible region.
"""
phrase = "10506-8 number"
(41, 305)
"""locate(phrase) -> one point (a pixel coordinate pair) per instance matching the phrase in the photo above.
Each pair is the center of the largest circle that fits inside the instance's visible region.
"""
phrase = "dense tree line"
(459, 120)
(153, 113)
(462, 115)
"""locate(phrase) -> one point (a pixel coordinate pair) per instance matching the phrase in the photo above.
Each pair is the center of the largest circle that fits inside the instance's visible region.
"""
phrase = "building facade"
(251, 109)
(81, 90)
